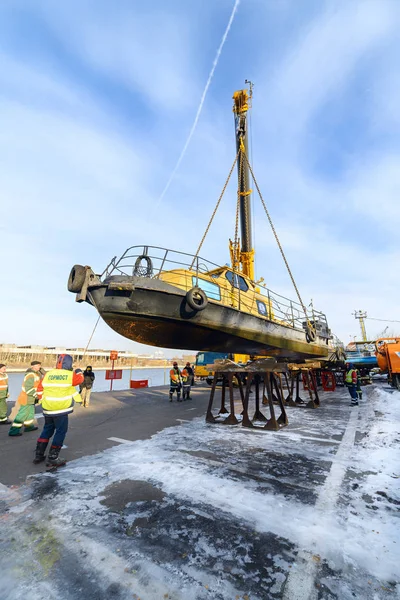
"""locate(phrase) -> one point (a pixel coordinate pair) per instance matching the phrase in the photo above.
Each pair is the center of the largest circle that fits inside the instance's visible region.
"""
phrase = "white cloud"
(148, 51)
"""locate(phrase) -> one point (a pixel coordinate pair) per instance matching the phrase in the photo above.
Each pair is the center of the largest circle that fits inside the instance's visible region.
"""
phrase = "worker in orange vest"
(187, 375)
(175, 379)
(3, 395)
(27, 399)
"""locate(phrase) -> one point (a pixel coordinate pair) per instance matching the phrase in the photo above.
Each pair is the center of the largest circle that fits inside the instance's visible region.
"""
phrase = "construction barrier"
(139, 383)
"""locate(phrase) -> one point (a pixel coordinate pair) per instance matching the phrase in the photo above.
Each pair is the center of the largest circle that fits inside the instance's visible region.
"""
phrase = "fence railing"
(156, 262)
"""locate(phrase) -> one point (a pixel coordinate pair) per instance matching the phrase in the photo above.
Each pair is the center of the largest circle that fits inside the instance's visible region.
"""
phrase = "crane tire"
(76, 279)
(196, 299)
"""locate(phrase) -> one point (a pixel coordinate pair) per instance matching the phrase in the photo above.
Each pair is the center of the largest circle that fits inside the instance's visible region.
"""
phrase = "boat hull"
(157, 314)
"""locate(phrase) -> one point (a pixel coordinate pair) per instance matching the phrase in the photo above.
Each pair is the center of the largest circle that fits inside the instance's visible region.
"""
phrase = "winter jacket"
(88, 380)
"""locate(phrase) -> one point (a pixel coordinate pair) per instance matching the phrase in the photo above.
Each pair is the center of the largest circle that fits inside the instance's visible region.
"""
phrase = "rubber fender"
(76, 279)
(143, 271)
(310, 334)
(196, 299)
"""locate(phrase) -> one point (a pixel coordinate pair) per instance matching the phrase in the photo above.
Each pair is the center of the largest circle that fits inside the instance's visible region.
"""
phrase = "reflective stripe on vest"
(36, 382)
(58, 391)
(3, 381)
(349, 376)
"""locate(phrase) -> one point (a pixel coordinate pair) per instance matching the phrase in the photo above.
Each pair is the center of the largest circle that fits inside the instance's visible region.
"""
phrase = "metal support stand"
(268, 385)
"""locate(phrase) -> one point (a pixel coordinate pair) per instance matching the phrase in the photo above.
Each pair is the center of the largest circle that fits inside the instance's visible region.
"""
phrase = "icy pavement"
(218, 512)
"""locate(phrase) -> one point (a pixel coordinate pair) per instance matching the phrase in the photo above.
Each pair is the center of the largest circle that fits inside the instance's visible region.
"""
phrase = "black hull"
(157, 314)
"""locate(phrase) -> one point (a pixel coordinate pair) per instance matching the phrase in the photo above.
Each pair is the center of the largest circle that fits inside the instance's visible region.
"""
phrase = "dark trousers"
(57, 424)
(352, 391)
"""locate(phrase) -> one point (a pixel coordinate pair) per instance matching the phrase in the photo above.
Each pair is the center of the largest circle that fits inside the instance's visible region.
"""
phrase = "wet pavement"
(218, 512)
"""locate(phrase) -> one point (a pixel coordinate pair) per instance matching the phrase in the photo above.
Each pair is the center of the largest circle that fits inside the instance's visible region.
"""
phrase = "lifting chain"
(215, 210)
(310, 326)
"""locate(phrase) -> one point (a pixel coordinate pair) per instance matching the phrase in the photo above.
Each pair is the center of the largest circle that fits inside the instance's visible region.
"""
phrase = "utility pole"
(361, 315)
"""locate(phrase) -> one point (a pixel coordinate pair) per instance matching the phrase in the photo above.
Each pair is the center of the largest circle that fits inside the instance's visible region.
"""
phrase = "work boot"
(53, 460)
(39, 452)
(179, 398)
(354, 404)
(31, 428)
(170, 397)
(15, 431)
(6, 422)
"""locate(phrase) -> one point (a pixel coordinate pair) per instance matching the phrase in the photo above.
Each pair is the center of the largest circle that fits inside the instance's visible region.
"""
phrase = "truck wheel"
(76, 279)
(196, 299)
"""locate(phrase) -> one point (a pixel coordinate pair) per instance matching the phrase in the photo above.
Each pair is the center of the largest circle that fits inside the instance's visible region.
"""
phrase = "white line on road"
(300, 583)
(120, 440)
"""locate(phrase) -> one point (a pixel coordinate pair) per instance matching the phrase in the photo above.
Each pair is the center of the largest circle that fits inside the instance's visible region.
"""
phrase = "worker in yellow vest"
(58, 393)
(3, 395)
(351, 382)
(27, 399)
(175, 381)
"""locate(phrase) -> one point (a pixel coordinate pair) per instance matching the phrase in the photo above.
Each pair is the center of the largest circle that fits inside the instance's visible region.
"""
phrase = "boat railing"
(157, 262)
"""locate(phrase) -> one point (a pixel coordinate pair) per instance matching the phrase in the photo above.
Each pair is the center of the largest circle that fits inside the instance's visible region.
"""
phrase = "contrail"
(203, 97)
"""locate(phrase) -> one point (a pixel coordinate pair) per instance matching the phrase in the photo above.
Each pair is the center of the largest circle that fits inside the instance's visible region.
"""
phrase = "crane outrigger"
(171, 299)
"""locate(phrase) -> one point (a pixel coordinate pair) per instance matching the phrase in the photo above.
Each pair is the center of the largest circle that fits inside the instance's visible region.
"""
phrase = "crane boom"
(241, 101)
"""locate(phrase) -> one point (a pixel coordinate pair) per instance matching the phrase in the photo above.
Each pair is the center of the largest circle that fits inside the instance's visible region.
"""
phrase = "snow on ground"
(209, 511)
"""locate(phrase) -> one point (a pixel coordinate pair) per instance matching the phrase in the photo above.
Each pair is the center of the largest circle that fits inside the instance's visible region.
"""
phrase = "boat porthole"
(196, 299)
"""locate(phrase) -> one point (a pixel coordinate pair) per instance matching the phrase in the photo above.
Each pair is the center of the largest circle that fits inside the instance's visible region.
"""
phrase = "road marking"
(183, 420)
(120, 440)
(300, 582)
(190, 409)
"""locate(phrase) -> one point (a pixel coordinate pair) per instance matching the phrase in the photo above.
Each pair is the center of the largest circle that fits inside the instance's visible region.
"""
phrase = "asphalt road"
(127, 415)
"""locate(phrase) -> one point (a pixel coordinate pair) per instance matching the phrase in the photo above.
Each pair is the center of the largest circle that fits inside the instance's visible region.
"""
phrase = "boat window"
(211, 289)
(262, 309)
(200, 359)
(240, 282)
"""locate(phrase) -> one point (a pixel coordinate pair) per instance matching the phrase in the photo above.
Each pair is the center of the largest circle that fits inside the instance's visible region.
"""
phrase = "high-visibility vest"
(58, 392)
(36, 381)
(185, 375)
(175, 376)
(349, 376)
(3, 384)
(28, 393)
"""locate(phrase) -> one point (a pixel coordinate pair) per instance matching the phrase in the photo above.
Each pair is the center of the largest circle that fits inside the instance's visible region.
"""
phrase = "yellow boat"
(172, 299)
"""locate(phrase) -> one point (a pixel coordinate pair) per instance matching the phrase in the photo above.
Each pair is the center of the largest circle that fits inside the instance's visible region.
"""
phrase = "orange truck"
(388, 357)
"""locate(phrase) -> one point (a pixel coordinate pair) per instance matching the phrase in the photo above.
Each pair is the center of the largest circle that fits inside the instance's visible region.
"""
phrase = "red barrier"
(139, 383)
(328, 381)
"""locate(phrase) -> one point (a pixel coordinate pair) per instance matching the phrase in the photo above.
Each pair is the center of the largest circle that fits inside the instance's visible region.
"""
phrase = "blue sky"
(96, 102)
